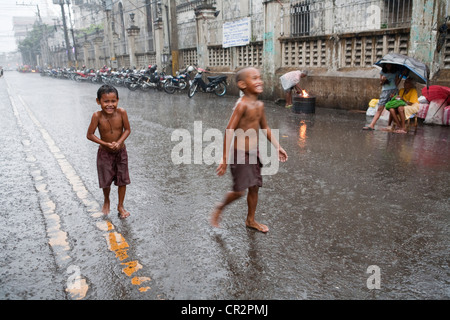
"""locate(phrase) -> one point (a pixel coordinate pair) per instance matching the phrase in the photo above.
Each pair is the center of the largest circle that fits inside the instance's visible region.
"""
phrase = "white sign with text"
(237, 33)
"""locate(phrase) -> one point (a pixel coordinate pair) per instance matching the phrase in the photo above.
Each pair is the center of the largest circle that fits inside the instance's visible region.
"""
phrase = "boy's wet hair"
(240, 75)
(105, 89)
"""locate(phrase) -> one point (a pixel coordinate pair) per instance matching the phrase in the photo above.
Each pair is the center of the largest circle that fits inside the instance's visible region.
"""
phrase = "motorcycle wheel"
(192, 90)
(168, 87)
(131, 86)
(78, 78)
(144, 87)
(182, 85)
(220, 89)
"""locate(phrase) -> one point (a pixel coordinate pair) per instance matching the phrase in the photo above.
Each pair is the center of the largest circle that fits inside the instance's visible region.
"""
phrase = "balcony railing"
(320, 17)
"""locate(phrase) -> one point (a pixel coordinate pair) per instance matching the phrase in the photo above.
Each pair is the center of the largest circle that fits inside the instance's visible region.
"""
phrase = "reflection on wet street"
(345, 201)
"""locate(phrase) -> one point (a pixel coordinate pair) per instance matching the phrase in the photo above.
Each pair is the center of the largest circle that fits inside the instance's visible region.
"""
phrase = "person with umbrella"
(409, 105)
(389, 79)
(405, 65)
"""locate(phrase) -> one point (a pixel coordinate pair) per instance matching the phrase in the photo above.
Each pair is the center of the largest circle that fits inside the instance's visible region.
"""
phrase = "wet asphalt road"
(346, 202)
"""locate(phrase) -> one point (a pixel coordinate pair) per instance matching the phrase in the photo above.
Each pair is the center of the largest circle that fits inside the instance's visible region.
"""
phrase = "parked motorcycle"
(117, 78)
(84, 75)
(102, 76)
(216, 84)
(46, 73)
(71, 73)
(179, 82)
(132, 81)
(145, 80)
(152, 79)
(54, 73)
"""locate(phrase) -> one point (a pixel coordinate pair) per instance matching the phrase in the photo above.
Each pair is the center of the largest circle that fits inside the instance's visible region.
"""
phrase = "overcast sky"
(21, 8)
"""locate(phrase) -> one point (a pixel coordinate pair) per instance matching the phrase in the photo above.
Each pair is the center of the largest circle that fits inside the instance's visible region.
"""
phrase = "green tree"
(30, 47)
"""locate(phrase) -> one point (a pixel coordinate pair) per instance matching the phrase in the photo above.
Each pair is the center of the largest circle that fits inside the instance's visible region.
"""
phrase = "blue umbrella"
(417, 70)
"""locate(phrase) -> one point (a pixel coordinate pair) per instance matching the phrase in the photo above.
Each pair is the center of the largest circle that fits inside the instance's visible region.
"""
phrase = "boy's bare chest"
(252, 114)
(110, 124)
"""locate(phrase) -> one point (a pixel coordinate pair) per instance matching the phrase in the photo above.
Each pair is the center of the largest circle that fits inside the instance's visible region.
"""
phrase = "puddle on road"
(57, 238)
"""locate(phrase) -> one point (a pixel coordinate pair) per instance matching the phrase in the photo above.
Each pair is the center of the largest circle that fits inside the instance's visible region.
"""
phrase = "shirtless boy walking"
(248, 114)
(112, 158)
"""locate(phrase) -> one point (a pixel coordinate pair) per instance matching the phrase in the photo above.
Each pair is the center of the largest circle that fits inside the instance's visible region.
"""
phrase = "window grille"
(219, 56)
(361, 52)
(188, 57)
(300, 18)
(357, 51)
(310, 53)
(250, 55)
(188, 5)
(447, 51)
(320, 17)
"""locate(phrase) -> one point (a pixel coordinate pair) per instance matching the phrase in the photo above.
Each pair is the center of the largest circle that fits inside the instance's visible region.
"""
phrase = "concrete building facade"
(337, 41)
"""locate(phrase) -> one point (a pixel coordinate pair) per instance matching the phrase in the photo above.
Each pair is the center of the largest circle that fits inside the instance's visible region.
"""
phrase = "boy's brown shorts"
(112, 166)
(247, 174)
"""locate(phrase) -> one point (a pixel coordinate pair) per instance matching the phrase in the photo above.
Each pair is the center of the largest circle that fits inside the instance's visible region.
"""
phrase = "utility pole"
(174, 36)
(108, 6)
(73, 36)
(31, 5)
(66, 34)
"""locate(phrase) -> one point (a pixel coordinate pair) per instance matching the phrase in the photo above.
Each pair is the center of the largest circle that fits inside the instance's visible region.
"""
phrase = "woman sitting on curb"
(408, 95)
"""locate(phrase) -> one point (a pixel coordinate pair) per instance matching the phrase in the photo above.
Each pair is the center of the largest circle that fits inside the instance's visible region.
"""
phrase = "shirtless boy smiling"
(248, 114)
(112, 158)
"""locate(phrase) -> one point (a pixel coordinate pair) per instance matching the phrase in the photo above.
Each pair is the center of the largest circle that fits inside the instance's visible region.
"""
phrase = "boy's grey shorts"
(385, 96)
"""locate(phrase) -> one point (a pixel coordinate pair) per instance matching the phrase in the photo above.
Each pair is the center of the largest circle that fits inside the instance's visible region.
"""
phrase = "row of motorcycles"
(189, 79)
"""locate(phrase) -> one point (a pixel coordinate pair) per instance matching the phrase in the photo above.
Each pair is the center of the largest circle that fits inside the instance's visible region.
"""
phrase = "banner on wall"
(237, 33)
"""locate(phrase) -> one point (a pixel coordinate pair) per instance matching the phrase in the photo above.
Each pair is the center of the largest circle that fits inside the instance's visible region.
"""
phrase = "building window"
(447, 51)
(321, 17)
(300, 15)
(397, 13)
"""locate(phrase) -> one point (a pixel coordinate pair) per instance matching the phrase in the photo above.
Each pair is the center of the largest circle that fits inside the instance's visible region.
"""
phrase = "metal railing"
(320, 17)
(188, 5)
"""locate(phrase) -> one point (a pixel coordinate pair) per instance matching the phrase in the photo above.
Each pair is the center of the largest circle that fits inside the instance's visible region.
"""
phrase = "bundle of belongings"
(435, 105)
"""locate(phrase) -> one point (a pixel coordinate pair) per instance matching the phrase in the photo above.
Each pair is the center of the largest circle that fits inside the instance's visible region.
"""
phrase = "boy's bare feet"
(215, 216)
(403, 131)
(257, 226)
(123, 213)
(105, 208)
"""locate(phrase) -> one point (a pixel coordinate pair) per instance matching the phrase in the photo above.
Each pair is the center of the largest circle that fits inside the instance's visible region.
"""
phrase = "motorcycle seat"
(214, 78)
